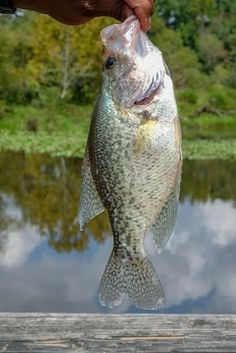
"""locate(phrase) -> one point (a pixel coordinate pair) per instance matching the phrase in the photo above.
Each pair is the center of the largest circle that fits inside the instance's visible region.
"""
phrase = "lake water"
(46, 264)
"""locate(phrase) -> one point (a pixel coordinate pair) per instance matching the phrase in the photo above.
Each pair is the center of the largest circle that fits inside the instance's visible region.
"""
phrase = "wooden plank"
(82, 333)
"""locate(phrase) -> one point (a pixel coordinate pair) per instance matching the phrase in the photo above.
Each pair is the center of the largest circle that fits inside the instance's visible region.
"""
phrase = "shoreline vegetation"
(63, 132)
(72, 144)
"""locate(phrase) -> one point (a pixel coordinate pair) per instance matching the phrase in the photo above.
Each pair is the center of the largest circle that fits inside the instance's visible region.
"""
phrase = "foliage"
(208, 149)
(73, 144)
(60, 58)
(46, 54)
(209, 127)
(50, 73)
(56, 144)
(51, 119)
(197, 39)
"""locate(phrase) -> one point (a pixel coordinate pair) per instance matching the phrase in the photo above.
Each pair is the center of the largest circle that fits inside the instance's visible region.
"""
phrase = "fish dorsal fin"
(165, 221)
(90, 202)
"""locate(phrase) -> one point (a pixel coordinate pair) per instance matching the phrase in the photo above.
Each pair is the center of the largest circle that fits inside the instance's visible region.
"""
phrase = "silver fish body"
(132, 165)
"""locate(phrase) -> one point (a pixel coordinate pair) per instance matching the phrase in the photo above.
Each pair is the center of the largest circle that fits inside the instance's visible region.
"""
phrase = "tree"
(15, 85)
(182, 61)
(63, 56)
(211, 50)
(187, 16)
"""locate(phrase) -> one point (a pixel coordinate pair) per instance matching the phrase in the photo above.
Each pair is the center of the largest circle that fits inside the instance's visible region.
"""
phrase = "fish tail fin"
(133, 277)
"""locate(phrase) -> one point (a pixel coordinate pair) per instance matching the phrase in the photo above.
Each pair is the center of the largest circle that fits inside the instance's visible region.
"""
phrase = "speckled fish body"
(132, 165)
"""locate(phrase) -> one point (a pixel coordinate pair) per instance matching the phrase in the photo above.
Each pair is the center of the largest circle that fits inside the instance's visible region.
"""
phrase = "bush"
(189, 96)
(221, 97)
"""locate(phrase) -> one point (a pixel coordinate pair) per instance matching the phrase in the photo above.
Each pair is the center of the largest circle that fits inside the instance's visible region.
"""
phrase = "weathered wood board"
(82, 333)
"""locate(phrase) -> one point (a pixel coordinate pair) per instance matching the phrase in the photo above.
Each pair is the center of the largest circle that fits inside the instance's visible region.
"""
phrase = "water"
(46, 264)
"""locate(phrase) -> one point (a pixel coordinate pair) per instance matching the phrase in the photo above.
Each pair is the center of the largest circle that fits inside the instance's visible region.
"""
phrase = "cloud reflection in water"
(197, 268)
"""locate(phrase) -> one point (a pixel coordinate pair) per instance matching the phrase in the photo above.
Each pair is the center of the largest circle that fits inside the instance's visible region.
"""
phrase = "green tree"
(211, 50)
(15, 85)
(66, 57)
(187, 16)
(182, 61)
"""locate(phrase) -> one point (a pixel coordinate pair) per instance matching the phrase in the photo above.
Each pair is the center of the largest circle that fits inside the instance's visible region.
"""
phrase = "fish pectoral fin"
(165, 222)
(144, 135)
(90, 202)
(134, 278)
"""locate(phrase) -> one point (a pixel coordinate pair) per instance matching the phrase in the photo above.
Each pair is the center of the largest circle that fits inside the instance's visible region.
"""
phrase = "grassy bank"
(62, 131)
(73, 143)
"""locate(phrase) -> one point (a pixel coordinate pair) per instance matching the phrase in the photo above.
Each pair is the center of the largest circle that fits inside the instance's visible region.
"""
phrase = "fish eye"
(110, 62)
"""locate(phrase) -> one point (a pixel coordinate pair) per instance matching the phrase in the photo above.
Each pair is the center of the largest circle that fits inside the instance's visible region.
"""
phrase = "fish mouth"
(147, 99)
(119, 37)
(150, 91)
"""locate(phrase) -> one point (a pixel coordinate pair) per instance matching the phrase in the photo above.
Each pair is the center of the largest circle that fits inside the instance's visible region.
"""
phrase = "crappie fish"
(132, 164)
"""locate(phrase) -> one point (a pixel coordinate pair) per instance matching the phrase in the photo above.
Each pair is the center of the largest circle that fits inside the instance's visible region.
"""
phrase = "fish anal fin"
(90, 202)
(165, 221)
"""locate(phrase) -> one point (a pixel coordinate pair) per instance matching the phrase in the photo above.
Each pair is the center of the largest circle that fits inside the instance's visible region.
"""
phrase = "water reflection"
(46, 264)
(46, 191)
(209, 180)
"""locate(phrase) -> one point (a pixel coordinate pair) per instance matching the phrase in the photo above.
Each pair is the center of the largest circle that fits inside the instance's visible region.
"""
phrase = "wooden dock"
(82, 333)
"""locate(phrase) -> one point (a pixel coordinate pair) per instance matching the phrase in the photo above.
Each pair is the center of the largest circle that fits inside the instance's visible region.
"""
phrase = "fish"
(132, 164)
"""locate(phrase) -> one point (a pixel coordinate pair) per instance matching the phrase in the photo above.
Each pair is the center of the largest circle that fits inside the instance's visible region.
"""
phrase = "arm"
(75, 12)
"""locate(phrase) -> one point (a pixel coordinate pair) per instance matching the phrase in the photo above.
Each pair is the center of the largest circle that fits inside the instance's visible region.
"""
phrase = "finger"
(152, 3)
(146, 5)
(143, 9)
(143, 18)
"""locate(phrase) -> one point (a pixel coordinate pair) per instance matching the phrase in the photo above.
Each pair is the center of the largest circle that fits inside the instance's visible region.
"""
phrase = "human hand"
(121, 10)
(75, 12)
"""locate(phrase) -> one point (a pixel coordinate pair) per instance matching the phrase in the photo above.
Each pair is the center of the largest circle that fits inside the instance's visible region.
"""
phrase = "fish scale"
(134, 154)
